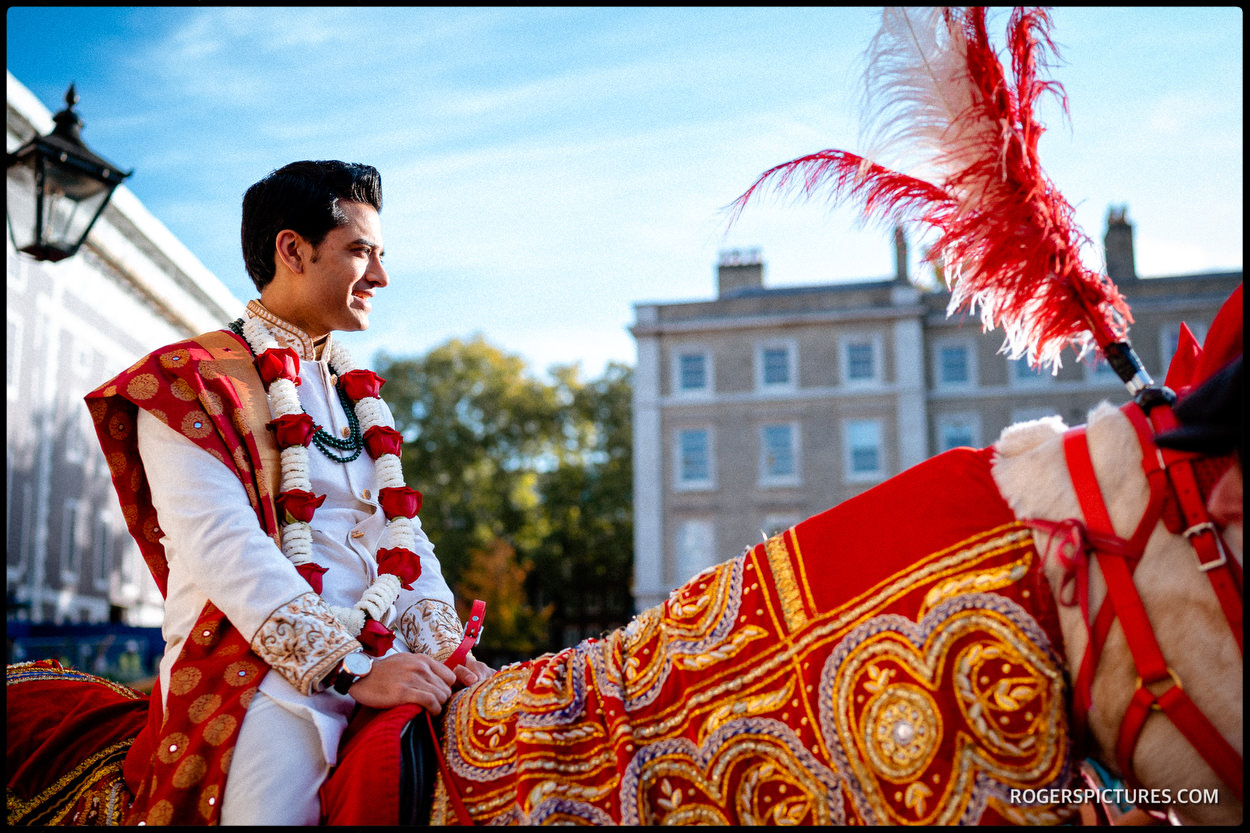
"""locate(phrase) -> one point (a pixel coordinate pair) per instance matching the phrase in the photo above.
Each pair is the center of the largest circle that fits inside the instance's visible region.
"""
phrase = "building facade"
(69, 326)
(765, 406)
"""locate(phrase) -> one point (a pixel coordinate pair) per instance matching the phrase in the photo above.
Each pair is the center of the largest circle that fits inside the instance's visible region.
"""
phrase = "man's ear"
(287, 250)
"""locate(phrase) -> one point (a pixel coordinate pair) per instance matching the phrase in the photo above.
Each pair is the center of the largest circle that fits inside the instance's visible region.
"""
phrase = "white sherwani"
(217, 551)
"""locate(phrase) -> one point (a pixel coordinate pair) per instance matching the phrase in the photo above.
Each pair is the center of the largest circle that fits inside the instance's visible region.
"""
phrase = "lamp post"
(69, 184)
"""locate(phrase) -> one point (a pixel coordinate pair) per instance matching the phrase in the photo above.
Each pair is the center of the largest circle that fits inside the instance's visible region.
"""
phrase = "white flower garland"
(297, 535)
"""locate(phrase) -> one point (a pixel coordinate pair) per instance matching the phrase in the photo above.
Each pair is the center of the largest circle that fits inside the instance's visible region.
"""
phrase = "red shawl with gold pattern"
(896, 659)
(208, 390)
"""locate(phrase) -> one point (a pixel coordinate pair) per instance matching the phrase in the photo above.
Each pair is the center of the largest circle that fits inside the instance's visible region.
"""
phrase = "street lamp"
(71, 185)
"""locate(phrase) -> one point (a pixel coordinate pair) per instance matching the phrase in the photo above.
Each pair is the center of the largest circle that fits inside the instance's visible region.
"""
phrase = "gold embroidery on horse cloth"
(94, 792)
(786, 585)
(881, 714)
(95, 787)
(709, 708)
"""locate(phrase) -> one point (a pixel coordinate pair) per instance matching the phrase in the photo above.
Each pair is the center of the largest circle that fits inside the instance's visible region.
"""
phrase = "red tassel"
(1007, 236)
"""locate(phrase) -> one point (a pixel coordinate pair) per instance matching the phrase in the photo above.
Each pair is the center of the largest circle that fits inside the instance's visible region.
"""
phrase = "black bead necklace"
(322, 439)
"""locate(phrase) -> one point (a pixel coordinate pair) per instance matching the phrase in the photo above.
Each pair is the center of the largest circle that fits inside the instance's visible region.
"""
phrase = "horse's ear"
(1184, 360)
(1223, 343)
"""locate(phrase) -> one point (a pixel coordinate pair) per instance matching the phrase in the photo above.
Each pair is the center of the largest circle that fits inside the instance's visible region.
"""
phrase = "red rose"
(278, 363)
(298, 505)
(376, 638)
(312, 574)
(359, 384)
(381, 440)
(293, 429)
(402, 563)
(399, 501)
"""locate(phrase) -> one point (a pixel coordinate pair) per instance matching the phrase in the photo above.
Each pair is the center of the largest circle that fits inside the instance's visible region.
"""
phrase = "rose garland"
(398, 564)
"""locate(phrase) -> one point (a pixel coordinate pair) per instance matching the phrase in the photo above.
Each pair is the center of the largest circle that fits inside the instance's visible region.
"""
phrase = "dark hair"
(303, 197)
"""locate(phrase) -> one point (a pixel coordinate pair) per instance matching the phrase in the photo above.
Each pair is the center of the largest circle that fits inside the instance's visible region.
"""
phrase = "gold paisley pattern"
(301, 640)
(431, 627)
(920, 698)
(968, 681)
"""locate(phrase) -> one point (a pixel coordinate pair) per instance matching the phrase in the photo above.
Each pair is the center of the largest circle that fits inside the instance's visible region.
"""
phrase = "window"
(696, 547)
(104, 540)
(775, 365)
(693, 372)
(954, 364)
(13, 354)
(863, 450)
(1019, 373)
(72, 539)
(779, 454)
(958, 431)
(694, 457)
(83, 360)
(860, 362)
(78, 429)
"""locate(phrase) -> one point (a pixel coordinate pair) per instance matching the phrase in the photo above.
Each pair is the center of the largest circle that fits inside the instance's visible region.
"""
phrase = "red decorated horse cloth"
(208, 390)
(66, 736)
(895, 660)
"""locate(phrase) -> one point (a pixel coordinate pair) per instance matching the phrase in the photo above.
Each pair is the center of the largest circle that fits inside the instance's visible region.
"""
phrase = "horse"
(916, 654)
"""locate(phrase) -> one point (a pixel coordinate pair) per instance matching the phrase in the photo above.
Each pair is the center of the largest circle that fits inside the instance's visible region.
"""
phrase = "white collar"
(288, 335)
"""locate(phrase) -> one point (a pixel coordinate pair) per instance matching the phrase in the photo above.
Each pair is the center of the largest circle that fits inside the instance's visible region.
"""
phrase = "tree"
(495, 576)
(526, 482)
(585, 560)
(474, 426)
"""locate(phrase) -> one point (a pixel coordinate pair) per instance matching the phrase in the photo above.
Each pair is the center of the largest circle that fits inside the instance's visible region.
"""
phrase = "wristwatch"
(354, 667)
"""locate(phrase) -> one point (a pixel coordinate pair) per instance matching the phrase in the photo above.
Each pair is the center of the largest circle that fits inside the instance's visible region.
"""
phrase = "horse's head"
(1199, 652)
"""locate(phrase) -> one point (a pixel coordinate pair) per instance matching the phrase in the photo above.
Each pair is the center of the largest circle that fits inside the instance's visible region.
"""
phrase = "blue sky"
(547, 169)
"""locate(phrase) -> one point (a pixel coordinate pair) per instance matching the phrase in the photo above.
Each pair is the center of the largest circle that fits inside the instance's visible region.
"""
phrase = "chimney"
(1118, 245)
(900, 256)
(739, 270)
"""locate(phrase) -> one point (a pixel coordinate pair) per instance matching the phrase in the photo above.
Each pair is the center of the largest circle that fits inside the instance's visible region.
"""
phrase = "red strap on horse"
(1124, 603)
(472, 633)
(1201, 733)
(1223, 572)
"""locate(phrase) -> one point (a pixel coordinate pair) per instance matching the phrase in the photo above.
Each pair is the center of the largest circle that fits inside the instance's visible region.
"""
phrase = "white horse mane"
(1031, 473)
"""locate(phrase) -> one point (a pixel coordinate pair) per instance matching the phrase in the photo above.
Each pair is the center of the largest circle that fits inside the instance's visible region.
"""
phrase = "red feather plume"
(936, 92)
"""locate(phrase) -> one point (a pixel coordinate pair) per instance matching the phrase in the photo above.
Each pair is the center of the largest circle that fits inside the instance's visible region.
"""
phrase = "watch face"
(357, 664)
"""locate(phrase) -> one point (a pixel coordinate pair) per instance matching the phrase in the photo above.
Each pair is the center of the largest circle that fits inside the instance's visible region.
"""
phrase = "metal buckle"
(1200, 529)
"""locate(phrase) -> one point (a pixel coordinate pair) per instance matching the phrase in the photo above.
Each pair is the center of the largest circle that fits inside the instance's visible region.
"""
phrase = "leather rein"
(1158, 687)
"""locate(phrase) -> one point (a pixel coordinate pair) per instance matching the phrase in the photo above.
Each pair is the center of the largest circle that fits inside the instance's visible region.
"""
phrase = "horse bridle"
(1167, 472)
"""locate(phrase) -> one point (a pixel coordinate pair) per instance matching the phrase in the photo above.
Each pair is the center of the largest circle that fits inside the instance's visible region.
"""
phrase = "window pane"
(694, 456)
(859, 360)
(957, 435)
(864, 460)
(695, 547)
(778, 451)
(864, 439)
(1021, 372)
(953, 365)
(776, 366)
(693, 371)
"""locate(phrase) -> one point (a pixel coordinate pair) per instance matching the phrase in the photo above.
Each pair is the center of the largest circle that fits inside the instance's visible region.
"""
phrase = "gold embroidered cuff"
(431, 627)
(303, 641)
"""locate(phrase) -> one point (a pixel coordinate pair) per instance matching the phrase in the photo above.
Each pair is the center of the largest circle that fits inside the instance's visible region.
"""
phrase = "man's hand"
(472, 671)
(406, 678)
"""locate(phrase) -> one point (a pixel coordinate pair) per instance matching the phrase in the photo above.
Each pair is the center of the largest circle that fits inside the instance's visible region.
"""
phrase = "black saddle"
(418, 771)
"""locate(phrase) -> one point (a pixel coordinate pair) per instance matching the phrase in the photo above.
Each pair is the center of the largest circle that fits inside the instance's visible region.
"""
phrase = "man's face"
(342, 274)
